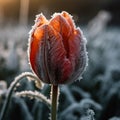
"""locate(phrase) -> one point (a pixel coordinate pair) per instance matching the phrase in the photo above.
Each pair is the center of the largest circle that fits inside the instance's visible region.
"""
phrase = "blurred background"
(97, 95)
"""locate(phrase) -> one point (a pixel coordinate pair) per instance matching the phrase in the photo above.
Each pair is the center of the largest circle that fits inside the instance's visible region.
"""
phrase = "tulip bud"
(57, 49)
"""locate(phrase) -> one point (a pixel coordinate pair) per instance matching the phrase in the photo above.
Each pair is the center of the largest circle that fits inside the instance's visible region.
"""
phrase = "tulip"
(57, 49)
(57, 52)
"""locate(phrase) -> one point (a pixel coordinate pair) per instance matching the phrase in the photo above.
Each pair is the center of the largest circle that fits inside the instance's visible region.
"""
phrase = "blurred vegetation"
(85, 10)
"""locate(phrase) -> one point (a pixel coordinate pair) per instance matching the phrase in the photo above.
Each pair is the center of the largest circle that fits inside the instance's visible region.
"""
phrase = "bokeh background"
(97, 95)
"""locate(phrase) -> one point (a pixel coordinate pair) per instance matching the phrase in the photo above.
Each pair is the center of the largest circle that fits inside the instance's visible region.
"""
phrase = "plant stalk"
(54, 99)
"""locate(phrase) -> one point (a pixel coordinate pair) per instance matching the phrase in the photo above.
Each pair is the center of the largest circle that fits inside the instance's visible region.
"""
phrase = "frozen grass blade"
(35, 95)
(11, 89)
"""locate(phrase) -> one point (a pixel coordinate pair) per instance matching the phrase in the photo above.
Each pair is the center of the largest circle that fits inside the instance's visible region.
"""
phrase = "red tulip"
(57, 51)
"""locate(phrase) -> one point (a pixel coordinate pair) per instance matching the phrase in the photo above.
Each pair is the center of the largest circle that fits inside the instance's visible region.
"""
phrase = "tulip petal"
(38, 54)
(59, 23)
(40, 20)
(77, 53)
(69, 19)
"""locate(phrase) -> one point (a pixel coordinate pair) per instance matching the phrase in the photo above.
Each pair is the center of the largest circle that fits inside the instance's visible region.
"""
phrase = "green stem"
(54, 99)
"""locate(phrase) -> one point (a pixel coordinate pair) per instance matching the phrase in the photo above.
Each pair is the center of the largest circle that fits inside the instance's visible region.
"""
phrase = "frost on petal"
(40, 20)
(68, 17)
(77, 53)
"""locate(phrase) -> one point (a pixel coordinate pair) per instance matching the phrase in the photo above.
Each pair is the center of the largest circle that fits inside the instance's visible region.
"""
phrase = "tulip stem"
(54, 99)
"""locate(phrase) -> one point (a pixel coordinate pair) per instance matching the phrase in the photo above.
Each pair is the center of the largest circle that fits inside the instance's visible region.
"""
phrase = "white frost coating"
(36, 95)
(71, 17)
(55, 14)
(83, 55)
(35, 26)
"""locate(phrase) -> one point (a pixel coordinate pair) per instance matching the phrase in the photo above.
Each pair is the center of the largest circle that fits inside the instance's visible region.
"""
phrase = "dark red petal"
(77, 53)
